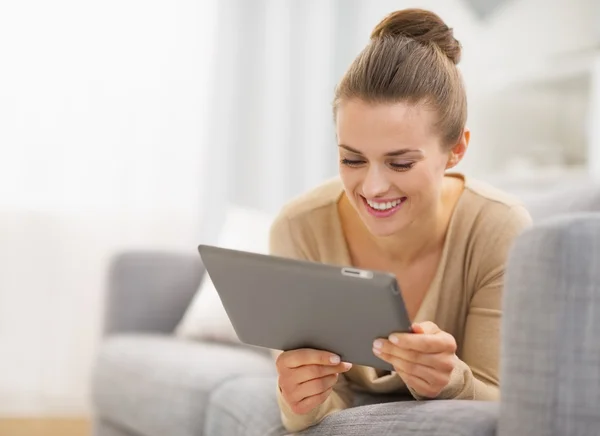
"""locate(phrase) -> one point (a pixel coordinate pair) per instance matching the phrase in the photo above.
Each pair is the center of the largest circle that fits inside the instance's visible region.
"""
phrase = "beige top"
(464, 298)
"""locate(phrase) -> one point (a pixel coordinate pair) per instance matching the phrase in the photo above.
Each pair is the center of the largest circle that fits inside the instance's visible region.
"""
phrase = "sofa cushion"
(428, 418)
(247, 406)
(542, 204)
(158, 385)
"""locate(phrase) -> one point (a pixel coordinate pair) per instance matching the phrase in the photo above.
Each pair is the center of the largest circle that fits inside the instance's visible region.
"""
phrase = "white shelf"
(546, 73)
(578, 71)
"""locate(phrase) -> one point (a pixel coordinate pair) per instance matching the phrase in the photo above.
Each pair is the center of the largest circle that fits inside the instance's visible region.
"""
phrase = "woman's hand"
(424, 359)
(307, 376)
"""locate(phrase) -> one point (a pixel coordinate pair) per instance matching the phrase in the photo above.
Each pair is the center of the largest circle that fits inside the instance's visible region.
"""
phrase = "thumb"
(426, 327)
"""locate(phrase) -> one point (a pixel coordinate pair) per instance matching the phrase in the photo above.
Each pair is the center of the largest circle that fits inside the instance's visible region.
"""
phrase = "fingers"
(426, 327)
(426, 381)
(425, 343)
(307, 377)
(431, 375)
(305, 373)
(416, 328)
(419, 385)
(424, 361)
(305, 396)
(309, 403)
(313, 387)
(306, 356)
(443, 362)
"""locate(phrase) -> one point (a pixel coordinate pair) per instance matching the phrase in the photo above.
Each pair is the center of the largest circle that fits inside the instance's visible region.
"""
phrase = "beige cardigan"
(464, 298)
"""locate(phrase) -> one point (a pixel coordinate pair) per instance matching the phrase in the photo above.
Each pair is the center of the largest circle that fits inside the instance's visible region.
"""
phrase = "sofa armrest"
(550, 371)
(149, 291)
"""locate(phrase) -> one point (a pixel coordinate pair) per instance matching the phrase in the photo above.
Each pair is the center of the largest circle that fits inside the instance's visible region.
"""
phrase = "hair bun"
(423, 26)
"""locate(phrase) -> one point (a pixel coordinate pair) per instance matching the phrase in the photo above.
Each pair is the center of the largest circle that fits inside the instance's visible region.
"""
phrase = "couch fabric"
(149, 292)
(182, 373)
(247, 406)
(551, 352)
(106, 428)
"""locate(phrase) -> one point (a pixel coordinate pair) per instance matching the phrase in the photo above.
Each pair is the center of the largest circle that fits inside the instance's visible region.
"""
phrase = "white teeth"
(383, 206)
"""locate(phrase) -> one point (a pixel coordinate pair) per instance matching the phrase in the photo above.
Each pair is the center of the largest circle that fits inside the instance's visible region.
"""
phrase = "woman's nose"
(375, 183)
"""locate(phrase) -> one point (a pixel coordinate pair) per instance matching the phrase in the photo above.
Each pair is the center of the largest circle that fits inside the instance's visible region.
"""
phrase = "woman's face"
(392, 162)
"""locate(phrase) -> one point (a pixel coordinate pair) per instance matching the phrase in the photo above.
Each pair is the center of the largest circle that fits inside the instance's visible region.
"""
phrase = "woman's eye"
(352, 163)
(395, 166)
(402, 166)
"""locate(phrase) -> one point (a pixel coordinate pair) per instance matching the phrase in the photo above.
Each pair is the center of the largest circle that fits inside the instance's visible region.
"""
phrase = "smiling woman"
(390, 152)
(400, 119)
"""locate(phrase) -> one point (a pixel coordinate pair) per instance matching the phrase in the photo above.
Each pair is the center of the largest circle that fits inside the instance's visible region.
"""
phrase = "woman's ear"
(460, 148)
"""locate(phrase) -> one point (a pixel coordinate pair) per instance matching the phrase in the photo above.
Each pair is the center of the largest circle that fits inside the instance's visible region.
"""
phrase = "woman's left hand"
(424, 359)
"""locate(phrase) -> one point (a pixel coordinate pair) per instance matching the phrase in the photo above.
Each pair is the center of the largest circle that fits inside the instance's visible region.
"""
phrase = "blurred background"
(132, 125)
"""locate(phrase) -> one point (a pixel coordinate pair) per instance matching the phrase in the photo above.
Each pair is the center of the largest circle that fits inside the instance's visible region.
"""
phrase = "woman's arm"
(476, 373)
(285, 242)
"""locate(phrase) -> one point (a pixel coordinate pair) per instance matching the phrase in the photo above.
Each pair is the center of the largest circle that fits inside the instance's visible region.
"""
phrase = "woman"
(400, 113)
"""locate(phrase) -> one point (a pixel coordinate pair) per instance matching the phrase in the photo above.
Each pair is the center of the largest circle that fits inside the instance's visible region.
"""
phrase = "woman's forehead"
(382, 125)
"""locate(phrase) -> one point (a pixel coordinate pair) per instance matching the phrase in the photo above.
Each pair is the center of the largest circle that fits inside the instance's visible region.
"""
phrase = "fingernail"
(394, 339)
(377, 344)
(334, 359)
(347, 365)
(376, 351)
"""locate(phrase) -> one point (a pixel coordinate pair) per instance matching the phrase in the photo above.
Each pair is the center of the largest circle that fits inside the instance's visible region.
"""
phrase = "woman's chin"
(384, 233)
(382, 230)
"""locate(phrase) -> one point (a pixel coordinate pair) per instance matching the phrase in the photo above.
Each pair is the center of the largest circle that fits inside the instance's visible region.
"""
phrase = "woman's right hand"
(307, 376)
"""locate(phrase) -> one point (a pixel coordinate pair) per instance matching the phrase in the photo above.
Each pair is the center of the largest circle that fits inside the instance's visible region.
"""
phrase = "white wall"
(523, 29)
(101, 113)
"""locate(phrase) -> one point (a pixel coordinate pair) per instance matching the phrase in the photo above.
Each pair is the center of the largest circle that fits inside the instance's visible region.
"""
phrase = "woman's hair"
(411, 57)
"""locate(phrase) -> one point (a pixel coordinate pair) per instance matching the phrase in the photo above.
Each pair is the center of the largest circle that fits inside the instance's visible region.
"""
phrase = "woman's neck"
(423, 237)
(420, 238)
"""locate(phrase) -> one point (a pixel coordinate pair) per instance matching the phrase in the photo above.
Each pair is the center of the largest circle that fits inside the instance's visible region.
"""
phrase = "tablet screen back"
(287, 304)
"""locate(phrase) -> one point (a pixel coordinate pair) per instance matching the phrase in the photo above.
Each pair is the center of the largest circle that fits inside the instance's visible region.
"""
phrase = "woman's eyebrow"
(391, 153)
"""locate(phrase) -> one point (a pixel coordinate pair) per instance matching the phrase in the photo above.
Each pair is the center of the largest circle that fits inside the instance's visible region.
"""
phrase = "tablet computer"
(286, 304)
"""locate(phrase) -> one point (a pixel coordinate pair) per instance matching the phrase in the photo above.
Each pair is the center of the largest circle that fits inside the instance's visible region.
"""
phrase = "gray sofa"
(148, 383)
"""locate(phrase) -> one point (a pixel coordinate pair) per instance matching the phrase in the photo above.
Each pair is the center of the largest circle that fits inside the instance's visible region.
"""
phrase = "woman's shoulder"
(493, 206)
(487, 222)
(300, 224)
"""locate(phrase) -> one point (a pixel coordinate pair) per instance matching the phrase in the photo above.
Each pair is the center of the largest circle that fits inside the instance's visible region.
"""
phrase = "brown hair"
(412, 57)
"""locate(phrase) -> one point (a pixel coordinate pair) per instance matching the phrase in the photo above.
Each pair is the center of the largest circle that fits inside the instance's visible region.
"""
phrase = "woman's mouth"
(383, 208)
